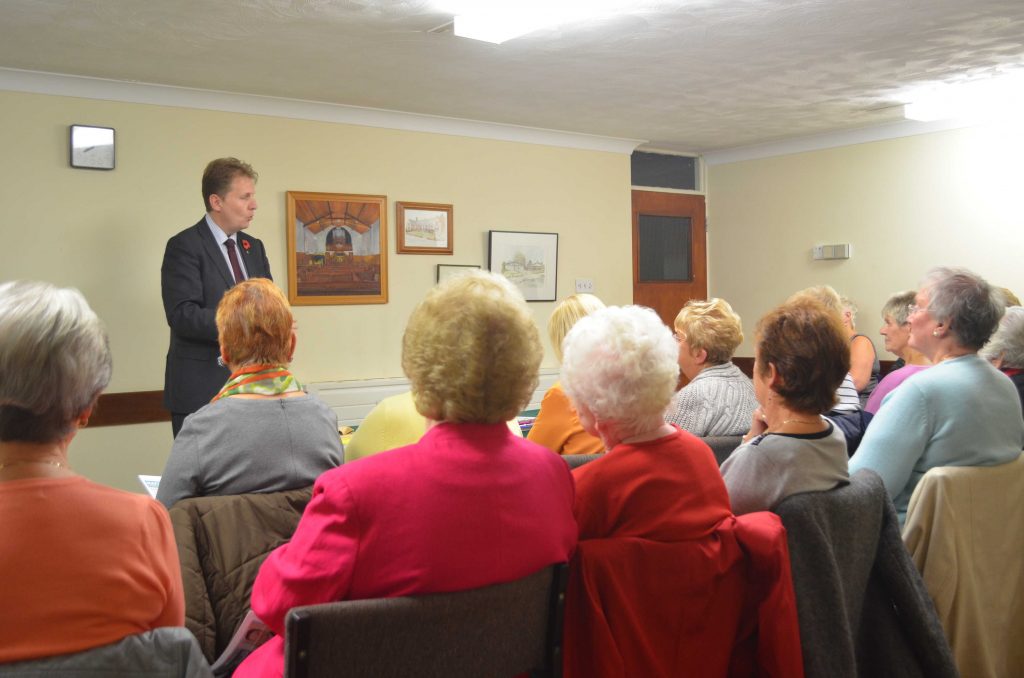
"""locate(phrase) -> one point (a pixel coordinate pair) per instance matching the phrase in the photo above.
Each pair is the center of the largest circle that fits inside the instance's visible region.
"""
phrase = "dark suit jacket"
(193, 278)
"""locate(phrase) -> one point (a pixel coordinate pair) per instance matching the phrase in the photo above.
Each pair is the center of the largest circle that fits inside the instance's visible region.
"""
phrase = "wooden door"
(669, 251)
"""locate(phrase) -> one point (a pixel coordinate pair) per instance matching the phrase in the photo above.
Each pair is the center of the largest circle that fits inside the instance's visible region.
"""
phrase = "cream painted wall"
(905, 205)
(104, 232)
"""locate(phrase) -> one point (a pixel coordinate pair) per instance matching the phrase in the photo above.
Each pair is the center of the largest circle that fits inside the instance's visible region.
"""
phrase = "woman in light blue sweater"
(962, 411)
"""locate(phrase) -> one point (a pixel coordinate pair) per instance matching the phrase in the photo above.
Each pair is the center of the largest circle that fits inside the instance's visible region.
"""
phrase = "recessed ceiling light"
(973, 100)
(500, 20)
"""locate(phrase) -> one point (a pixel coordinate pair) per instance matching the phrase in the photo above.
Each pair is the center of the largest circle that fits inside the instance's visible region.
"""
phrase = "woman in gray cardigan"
(262, 432)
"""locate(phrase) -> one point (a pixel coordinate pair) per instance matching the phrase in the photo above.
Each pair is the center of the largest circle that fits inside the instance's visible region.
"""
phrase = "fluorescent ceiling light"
(974, 100)
(500, 20)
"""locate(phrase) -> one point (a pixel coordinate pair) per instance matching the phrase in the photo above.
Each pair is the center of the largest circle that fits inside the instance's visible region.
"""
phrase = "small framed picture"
(529, 260)
(445, 271)
(423, 228)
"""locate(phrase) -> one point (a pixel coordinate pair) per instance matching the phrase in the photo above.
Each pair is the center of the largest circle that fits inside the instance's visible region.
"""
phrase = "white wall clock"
(92, 147)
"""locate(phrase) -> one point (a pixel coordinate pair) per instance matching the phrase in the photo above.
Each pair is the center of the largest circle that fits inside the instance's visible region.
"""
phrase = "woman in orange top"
(557, 426)
(82, 565)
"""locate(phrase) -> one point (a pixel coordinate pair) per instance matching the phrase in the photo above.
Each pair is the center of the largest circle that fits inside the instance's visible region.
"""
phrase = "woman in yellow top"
(558, 427)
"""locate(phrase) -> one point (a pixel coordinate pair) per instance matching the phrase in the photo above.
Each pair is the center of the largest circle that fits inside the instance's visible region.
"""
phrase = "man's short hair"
(219, 174)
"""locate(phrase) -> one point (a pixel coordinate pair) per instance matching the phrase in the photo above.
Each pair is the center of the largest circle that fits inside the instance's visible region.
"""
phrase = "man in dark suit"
(200, 264)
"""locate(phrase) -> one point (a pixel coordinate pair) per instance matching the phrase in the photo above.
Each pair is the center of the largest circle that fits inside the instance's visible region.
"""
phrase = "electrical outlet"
(584, 285)
(818, 252)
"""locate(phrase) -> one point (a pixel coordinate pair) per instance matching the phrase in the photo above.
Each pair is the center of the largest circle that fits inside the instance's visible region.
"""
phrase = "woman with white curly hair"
(620, 369)
(654, 506)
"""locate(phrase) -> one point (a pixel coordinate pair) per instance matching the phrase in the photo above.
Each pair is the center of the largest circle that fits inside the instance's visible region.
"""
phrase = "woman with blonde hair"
(469, 505)
(557, 426)
(262, 432)
(81, 565)
(864, 366)
(719, 399)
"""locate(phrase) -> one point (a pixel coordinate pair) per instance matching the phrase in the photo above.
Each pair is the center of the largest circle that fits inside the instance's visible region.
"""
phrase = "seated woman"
(1005, 350)
(262, 432)
(653, 506)
(864, 366)
(960, 412)
(557, 426)
(719, 400)
(800, 358)
(847, 399)
(394, 422)
(469, 505)
(896, 330)
(82, 565)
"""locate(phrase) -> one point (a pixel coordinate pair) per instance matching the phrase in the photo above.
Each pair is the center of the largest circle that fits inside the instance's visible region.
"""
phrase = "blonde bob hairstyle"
(710, 325)
(254, 324)
(472, 351)
(825, 295)
(621, 364)
(566, 314)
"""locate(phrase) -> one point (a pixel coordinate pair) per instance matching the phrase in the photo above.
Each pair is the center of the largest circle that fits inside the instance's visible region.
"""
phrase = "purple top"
(889, 383)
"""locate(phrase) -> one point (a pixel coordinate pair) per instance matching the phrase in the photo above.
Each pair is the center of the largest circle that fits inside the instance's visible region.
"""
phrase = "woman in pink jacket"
(469, 505)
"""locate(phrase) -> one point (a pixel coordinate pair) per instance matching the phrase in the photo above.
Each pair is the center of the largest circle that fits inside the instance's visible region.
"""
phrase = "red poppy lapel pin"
(246, 245)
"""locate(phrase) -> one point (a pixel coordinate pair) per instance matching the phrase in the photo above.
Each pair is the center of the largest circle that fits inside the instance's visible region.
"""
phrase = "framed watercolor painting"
(423, 228)
(529, 260)
(337, 248)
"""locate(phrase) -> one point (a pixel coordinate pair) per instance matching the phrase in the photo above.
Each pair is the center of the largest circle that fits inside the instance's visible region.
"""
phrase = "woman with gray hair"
(1006, 348)
(82, 565)
(896, 331)
(961, 412)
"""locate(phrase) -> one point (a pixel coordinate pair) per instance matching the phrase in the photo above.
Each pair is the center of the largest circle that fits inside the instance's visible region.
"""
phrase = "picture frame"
(423, 228)
(337, 248)
(445, 271)
(529, 260)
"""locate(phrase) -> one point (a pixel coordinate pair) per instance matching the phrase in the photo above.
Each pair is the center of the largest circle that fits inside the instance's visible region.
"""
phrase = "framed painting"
(337, 248)
(529, 260)
(423, 228)
(445, 271)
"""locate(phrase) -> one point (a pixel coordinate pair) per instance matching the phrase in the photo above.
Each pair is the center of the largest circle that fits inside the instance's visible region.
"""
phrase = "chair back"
(222, 541)
(862, 606)
(721, 604)
(501, 630)
(168, 652)
(577, 460)
(723, 446)
(965, 533)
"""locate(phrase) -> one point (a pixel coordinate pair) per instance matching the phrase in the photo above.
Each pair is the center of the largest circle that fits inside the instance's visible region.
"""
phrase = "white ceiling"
(695, 76)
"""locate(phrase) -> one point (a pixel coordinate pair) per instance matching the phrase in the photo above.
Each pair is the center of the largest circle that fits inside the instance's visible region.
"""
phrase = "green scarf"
(261, 380)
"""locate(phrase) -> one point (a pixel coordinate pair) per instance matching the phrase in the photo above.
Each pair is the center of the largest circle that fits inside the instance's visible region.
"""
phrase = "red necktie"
(233, 258)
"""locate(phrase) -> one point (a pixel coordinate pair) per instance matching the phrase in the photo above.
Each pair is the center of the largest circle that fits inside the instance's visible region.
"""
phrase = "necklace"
(775, 429)
(800, 421)
(22, 462)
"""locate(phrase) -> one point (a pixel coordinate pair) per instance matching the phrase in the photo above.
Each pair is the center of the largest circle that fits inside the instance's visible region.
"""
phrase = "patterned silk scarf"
(261, 380)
